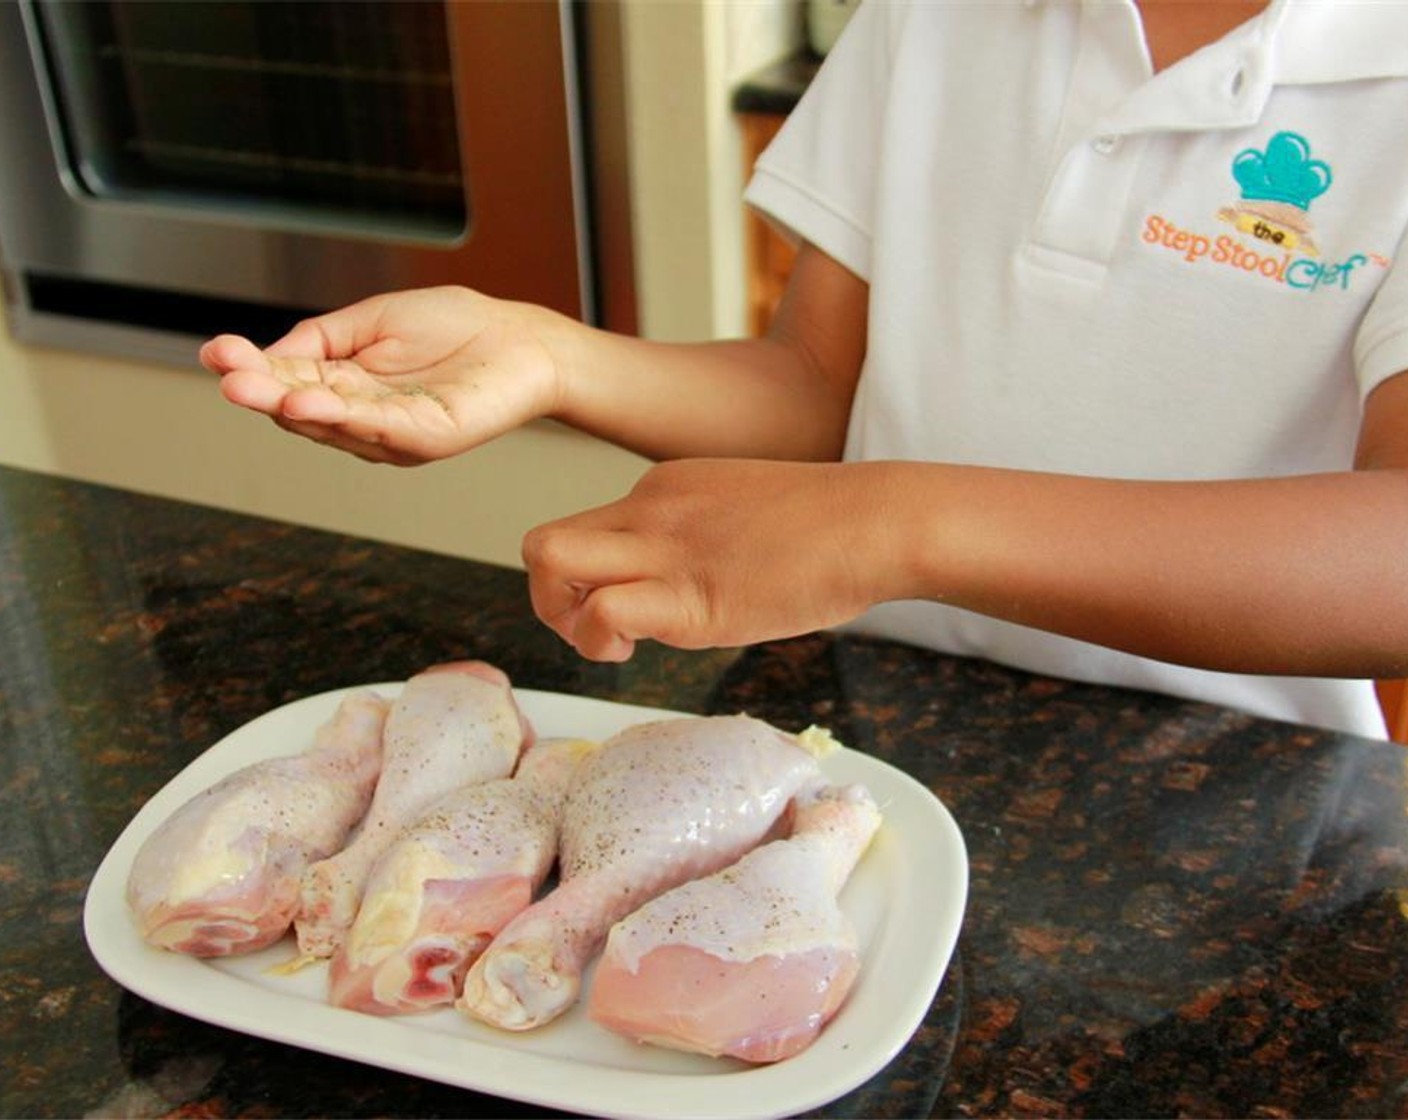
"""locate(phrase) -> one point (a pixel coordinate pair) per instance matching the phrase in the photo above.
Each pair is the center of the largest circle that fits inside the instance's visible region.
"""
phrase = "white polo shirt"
(1078, 266)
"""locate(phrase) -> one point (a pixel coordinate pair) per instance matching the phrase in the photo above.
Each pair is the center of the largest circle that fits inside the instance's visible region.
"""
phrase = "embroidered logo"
(1277, 185)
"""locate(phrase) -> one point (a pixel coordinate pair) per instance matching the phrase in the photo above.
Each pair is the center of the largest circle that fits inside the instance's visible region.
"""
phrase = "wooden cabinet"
(769, 254)
(1393, 695)
(761, 104)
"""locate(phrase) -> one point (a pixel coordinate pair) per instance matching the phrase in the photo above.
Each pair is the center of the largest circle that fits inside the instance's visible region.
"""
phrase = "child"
(1089, 364)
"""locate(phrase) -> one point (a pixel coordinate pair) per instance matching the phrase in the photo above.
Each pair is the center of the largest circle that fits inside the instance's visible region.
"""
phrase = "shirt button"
(1105, 145)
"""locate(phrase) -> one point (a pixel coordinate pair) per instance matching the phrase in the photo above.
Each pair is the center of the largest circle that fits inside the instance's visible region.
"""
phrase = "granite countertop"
(1174, 909)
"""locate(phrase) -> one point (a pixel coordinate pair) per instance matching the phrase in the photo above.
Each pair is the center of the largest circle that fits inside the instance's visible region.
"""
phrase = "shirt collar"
(1340, 40)
(1226, 84)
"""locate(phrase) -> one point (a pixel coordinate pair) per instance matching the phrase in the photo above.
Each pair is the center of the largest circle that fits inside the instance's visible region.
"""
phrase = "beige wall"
(683, 60)
(164, 430)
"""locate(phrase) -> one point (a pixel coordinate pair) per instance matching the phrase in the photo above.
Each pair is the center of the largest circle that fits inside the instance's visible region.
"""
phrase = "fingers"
(337, 334)
(564, 560)
(250, 378)
(337, 437)
(253, 389)
(301, 393)
(247, 377)
(605, 622)
(311, 339)
(612, 618)
(598, 588)
(315, 404)
(228, 352)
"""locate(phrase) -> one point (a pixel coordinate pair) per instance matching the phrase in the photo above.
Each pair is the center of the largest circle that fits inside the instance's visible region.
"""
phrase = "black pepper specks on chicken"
(659, 804)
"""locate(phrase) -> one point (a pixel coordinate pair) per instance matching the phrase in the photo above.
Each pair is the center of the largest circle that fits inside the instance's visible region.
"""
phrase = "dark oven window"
(337, 113)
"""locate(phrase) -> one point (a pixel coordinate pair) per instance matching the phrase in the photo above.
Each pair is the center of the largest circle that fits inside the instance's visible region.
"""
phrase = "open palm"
(402, 378)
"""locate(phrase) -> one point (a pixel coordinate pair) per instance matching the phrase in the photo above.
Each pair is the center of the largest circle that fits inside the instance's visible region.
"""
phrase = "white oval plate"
(906, 899)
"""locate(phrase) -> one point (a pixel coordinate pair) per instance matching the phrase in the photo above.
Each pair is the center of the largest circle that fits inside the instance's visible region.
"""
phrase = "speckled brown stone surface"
(1174, 910)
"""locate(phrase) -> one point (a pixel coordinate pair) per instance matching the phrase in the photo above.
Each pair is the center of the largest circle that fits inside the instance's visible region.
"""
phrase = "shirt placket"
(1112, 107)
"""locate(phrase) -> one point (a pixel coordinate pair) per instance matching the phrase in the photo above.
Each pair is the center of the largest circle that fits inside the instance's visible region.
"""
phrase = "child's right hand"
(403, 378)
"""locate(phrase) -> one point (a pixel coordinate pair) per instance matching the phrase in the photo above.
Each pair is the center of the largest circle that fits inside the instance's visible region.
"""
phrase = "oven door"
(183, 168)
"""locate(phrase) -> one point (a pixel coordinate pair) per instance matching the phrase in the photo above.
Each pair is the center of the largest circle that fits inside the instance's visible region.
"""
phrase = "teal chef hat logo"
(1284, 172)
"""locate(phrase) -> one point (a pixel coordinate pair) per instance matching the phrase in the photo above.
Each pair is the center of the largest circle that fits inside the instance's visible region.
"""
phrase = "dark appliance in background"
(170, 169)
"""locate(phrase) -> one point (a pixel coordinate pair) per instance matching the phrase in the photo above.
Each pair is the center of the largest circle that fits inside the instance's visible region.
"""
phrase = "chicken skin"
(451, 725)
(752, 961)
(221, 875)
(450, 882)
(659, 804)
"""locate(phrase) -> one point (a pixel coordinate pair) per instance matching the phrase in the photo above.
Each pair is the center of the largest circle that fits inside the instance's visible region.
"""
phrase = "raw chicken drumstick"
(221, 874)
(659, 804)
(451, 725)
(450, 882)
(754, 960)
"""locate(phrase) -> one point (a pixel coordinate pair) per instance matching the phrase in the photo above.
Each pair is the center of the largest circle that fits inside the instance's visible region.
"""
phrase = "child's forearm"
(787, 396)
(1305, 576)
(753, 398)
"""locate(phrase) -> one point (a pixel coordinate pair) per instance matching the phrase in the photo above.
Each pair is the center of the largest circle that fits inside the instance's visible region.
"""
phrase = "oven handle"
(45, 76)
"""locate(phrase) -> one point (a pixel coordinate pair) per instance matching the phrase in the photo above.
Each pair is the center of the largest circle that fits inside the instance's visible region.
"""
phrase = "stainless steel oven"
(169, 169)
